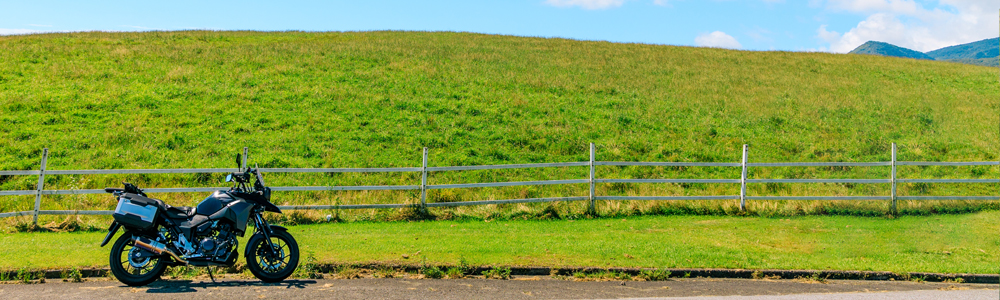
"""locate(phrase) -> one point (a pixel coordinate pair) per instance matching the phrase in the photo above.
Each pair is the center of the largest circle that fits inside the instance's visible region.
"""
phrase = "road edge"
(570, 271)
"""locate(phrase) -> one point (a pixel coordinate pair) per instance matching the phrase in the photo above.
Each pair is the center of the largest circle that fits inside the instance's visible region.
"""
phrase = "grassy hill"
(988, 62)
(886, 49)
(193, 99)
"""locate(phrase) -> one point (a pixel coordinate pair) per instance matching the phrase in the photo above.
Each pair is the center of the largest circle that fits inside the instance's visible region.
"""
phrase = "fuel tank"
(213, 203)
(223, 206)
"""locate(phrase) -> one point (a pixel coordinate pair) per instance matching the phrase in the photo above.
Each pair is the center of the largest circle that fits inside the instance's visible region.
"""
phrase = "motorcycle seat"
(178, 212)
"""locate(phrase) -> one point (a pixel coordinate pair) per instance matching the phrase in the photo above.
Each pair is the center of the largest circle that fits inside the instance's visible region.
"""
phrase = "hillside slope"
(986, 62)
(373, 99)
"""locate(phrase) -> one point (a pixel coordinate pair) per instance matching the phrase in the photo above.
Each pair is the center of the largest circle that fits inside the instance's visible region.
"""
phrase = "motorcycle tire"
(132, 272)
(275, 268)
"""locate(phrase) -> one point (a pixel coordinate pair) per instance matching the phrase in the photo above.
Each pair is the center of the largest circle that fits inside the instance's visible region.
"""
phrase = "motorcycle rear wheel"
(134, 272)
(274, 268)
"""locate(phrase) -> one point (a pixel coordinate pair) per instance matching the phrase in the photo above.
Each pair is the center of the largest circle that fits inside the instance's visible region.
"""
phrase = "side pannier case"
(136, 212)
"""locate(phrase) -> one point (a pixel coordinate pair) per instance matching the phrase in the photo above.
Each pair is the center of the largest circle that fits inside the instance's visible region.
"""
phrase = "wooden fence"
(592, 180)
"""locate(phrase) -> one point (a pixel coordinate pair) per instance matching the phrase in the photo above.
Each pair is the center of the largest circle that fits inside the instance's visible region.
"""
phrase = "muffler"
(156, 247)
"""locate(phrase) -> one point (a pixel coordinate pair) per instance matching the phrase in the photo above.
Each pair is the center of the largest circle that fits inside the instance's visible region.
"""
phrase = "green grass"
(193, 99)
(964, 243)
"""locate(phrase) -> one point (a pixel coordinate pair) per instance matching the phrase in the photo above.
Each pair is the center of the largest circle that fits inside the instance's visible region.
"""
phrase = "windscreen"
(260, 177)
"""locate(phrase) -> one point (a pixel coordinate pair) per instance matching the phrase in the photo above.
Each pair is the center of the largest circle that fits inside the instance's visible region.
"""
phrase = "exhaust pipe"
(156, 247)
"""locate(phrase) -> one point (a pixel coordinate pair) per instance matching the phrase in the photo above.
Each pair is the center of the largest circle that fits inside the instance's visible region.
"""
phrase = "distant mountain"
(987, 48)
(886, 49)
(983, 53)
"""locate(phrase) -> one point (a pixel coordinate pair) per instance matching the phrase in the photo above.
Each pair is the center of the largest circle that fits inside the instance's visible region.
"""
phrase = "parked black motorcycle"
(158, 235)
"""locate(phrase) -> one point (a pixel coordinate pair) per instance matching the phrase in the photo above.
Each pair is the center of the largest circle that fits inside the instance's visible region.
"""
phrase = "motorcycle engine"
(216, 241)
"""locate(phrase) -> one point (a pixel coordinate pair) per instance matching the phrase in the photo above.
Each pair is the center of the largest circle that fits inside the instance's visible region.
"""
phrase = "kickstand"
(210, 274)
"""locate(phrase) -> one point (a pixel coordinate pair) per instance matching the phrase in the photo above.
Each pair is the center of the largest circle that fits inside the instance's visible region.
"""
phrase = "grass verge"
(944, 243)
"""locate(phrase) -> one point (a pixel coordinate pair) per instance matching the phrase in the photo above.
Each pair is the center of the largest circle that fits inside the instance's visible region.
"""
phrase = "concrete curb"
(707, 273)
(12, 275)
(569, 271)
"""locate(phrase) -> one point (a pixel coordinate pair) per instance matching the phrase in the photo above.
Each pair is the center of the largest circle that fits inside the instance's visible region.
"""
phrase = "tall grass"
(192, 99)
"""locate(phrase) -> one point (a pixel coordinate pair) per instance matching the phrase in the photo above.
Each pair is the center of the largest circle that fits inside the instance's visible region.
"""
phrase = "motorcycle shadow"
(189, 286)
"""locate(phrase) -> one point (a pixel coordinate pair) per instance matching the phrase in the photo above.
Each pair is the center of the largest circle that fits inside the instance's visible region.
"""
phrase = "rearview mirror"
(229, 178)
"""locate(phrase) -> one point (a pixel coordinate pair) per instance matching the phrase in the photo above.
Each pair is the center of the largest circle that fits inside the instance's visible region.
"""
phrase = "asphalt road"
(520, 288)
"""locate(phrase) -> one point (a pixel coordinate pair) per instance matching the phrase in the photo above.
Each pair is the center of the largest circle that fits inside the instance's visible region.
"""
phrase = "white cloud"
(878, 27)
(5, 31)
(586, 4)
(717, 39)
(827, 35)
(910, 24)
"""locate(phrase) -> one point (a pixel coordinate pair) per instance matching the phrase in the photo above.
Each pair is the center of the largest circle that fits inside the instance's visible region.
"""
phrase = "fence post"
(892, 179)
(41, 183)
(592, 177)
(244, 166)
(743, 181)
(423, 181)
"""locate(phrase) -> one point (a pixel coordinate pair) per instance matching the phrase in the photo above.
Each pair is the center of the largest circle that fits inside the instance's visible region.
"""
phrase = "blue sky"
(806, 25)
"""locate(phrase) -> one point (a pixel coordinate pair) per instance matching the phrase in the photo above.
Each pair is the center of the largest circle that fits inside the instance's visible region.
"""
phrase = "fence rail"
(592, 181)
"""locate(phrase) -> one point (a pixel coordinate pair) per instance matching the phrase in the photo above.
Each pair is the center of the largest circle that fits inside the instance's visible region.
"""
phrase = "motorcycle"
(158, 235)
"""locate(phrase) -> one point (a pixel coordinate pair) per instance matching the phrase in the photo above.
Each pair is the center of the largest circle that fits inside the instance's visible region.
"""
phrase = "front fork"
(264, 229)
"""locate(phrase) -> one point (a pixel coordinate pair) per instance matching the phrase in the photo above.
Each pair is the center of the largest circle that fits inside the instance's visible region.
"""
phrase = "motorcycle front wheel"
(276, 265)
(131, 270)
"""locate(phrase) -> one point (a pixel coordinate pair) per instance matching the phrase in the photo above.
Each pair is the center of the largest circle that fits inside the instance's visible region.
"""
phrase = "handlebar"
(129, 188)
(243, 179)
(241, 176)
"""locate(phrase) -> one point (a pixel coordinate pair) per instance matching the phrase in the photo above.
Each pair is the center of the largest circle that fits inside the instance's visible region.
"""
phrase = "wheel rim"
(273, 263)
(136, 266)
